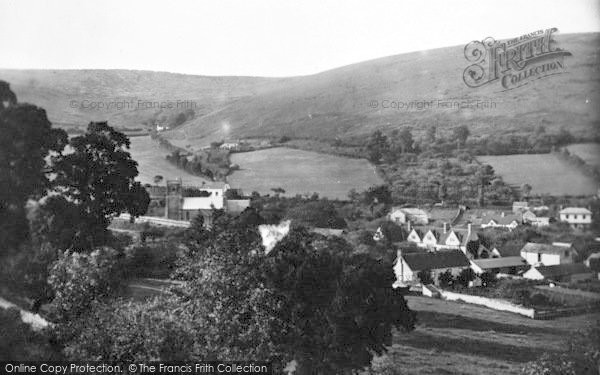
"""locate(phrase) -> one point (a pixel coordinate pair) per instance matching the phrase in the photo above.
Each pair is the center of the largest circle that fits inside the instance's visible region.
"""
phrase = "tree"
(445, 279)
(79, 279)
(406, 139)
(157, 179)
(483, 177)
(460, 134)
(26, 139)
(425, 277)
(308, 299)
(97, 178)
(430, 134)
(465, 277)
(377, 146)
(526, 190)
(487, 278)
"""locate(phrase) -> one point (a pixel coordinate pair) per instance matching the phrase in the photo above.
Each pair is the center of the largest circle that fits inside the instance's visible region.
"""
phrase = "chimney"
(445, 228)
(408, 226)
(468, 229)
(502, 213)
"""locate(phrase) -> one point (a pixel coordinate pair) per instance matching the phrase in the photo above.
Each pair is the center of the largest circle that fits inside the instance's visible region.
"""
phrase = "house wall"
(576, 218)
(546, 259)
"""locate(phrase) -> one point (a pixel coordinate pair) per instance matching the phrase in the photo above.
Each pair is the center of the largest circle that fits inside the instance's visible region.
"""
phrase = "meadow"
(301, 172)
(458, 338)
(151, 162)
(546, 173)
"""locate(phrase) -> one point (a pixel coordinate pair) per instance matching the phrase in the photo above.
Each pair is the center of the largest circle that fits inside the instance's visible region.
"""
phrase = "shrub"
(538, 299)
(425, 277)
(445, 279)
(79, 279)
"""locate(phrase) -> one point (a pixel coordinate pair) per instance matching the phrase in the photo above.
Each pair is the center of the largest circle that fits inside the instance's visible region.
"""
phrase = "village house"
(519, 207)
(467, 241)
(408, 266)
(548, 254)
(232, 146)
(416, 216)
(560, 273)
(504, 221)
(507, 265)
(532, 219)
(577, 217)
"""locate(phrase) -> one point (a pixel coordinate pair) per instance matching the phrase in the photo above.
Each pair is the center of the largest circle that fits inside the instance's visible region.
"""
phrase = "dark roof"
(542, 248)
(502, 262)
(436, 260)
(562, 270)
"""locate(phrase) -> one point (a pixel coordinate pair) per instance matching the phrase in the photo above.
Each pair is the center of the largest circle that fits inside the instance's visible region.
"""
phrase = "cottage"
(519, 207)
(531, 218)
(577, 217)
(509, 265)
(408, 214)
(548, 254)
(510, 221)
(560, 272)
(408, 266)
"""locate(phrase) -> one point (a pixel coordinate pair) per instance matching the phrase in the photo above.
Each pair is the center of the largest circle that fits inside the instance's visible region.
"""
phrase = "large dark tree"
(97, 177)
(26, 139)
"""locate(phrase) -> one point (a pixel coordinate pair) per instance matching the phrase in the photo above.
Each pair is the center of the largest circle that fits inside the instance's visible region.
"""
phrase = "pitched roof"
(491, 263)
(575, 210)
(562, 270)
(543, 248)
(502, 220)
(436, 260)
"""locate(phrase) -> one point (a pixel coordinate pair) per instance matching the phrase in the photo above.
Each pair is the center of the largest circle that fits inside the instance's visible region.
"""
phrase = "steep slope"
(335, 103)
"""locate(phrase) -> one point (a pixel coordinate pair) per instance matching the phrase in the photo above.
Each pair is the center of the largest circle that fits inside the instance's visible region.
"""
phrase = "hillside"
(334, 103)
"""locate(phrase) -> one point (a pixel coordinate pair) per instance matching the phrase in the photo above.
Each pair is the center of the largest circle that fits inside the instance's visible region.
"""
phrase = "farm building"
(509, 265)
(414, 215)
(548, 254)
(560, 272)
(577, 217)
(408, 266)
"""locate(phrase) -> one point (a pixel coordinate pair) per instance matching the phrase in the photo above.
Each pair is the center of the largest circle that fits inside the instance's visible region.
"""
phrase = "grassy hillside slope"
(334, 103)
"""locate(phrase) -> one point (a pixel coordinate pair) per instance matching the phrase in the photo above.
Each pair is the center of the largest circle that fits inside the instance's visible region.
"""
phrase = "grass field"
(300, 172)
(151, 162)
(546, 174)
(589, 152)
(457, 338)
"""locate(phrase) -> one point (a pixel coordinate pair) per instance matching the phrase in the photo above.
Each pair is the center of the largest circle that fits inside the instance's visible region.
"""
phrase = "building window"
(567, 253)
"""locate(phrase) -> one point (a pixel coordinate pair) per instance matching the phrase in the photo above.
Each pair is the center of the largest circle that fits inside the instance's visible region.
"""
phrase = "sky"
(272, 38)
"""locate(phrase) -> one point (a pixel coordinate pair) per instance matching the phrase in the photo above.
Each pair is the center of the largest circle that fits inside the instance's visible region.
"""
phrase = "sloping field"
(546, 173)
(589, 152)
(301, 172)
(457, 338)
(151, 162)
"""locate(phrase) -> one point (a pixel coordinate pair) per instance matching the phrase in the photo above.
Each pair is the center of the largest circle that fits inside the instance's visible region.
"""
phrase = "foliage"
(425, 277)
(26, 138)
(445, 279)
(582, 357)
(97, 180)
(79, 279)
(465, 277)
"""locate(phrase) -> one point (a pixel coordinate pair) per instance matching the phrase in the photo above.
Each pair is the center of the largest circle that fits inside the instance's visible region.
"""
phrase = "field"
(589, 152)
(546, 174)
(457, 338)
(151, 162)
(301, 172)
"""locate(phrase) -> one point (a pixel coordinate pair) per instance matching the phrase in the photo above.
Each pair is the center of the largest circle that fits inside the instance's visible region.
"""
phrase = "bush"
(156, 261)
(79, 279)
(425, 277)
(445, 279)
(538, 299)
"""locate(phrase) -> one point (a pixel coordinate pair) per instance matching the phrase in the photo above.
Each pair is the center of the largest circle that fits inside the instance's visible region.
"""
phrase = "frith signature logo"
(515, 62)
